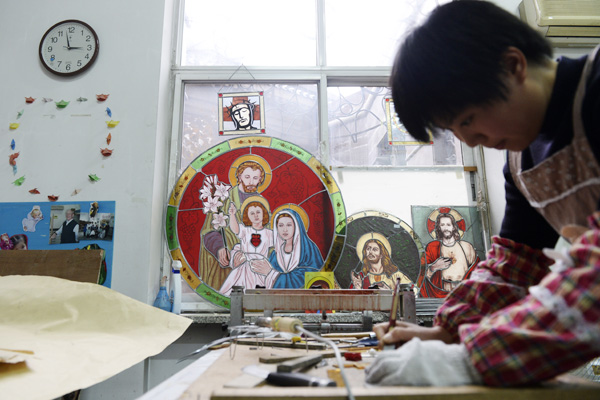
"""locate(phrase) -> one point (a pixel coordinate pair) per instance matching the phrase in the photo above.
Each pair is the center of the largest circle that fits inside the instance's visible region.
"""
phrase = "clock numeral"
(89, 47)
(68, 67)
(88, 37)
(49, 49)
(87, 56)
(54, 39)
(60, 33)
(71, 29)
(59, 63)
(79, 63)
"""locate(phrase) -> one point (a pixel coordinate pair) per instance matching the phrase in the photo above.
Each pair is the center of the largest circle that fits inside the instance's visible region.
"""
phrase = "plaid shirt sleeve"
(552, 330)
(498, 281)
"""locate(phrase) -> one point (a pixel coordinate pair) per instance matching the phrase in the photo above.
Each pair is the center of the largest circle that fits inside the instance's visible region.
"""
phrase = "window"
(366, 33)
(321, 67)
(364, 131)
(252, 33)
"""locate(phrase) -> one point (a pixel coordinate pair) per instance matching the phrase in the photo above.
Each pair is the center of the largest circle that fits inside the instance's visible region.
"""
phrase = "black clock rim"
(88, 65)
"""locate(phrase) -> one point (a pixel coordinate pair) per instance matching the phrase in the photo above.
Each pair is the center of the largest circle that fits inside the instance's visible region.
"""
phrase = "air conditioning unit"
(566, 23)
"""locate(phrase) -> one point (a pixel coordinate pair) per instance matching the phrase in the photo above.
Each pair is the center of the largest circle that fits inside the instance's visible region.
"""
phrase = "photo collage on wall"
(60, 226)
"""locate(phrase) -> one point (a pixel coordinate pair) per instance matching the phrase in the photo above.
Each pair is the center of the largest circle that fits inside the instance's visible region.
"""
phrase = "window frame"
(321, 74)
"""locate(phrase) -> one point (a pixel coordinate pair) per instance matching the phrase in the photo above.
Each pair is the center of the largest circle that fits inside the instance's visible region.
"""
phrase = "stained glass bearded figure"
(378, 269)
(449, 259)
(215, 255)
(241, 112)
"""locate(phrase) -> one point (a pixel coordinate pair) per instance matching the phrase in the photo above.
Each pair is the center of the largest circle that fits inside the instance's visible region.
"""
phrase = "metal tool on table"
(299, 363)
(285, 375)
(287, 378)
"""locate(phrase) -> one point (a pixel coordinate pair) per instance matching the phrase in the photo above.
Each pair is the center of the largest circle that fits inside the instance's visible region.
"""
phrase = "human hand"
(223, 256)
(232, 209)
(238, 258)
(423, 363)
(262, 266)
(440, 264)
(356, 281)
(383, 285)
(405, 331)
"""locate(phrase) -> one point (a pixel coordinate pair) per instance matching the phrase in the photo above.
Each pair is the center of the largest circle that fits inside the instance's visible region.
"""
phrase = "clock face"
(69, 47)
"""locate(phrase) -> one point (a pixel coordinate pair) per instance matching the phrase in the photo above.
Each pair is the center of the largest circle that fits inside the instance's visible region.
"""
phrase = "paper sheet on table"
(80, 334)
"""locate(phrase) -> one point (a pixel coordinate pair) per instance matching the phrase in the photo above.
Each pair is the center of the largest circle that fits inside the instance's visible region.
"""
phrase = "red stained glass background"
(292, 182)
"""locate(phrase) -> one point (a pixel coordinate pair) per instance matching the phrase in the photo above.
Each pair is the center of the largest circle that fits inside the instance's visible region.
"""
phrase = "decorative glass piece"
(210, 215)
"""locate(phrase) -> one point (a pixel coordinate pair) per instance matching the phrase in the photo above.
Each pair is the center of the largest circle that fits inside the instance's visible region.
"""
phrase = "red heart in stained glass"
(256, 240)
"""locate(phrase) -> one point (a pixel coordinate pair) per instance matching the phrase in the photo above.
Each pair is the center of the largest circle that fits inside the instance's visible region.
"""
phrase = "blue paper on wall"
(60, 226)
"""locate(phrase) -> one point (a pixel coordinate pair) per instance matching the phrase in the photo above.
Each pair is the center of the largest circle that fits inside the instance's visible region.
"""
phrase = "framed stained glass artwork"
(255, 212)
(241, 113)
(397, 133)
(380, 248)
(453, 238)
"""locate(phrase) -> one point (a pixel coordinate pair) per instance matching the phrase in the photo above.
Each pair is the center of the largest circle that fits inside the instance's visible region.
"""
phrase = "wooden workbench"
(212, 384)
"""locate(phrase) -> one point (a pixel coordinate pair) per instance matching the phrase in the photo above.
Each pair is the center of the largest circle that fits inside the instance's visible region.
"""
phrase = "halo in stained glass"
(400, 241)
(289, 176)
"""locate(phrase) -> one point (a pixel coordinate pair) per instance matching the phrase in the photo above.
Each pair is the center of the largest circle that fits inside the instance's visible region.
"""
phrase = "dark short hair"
(454, 60)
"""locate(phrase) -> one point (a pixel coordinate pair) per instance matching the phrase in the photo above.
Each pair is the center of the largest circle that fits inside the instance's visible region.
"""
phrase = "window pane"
(253, 33)
(367, 33)
(290, 113)
(362, 134)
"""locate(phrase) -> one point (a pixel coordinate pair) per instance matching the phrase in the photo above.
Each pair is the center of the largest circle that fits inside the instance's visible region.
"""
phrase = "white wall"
(395, 191)
(132, 69)
(128, 69)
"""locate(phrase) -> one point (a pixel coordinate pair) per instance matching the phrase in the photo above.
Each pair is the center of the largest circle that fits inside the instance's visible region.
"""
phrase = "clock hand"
(68, 44)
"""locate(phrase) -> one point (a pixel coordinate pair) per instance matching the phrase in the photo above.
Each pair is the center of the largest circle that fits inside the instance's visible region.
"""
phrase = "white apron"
(565, 187)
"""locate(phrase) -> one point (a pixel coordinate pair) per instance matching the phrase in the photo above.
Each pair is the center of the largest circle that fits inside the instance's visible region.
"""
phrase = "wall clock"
(69, 48)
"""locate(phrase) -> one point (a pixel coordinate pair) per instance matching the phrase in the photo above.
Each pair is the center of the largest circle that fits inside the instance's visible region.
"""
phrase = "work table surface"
(227, 368)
